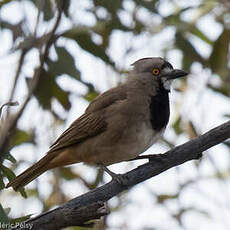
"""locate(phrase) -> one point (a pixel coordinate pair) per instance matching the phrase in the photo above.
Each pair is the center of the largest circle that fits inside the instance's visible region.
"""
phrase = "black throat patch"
(159, 109)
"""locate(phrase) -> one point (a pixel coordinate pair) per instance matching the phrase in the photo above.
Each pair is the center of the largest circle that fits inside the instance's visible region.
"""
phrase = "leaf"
(2, 185)
(46, 8)
(8, 172)
(223, 89)
(32, 192)
(176, 126)
(9, 157)
(3, 2)
(20, 136)
(113, 8)
(3, 217)
(22, 192)
(47, 89)
(198, 33)
(82, 35)
(66, 6)
(192, 132)
(187, 48)
(90, 96)
(150, 5)
(68, 174)
(227, 143)
(10, 176)
(7, 210)
(165, 197)
(219, 56)
(20, 219)
(16, 29)
(64, 65)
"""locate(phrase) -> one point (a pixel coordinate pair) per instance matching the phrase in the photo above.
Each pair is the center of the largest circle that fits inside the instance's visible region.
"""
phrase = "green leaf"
(3, 217)
(3, 2)
(9, 157)
(22, 192)
(8, 172)
(64, 65)
(150, 5)
(47, 89)
(90, 96)
(111, 6)
(177, 127)
(227, 143)
(219, 56)
(21, 136)
(11, 175)
(2, 185)
(187, 48)
(7, 210)
(20, 219)
(46, 8)
(66, 6)
(198, 33)
(165, 197)
(82, 35)
(223, 90)
(68, 174)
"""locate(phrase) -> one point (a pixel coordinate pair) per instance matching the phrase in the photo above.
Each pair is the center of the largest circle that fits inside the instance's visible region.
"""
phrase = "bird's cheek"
(167, 83)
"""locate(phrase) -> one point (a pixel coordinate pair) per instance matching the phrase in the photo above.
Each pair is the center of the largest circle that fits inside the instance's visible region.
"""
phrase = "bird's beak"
(175, 73)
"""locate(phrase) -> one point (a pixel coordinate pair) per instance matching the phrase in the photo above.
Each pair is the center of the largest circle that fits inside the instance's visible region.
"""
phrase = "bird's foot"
(199, 156)
(150, 157)
(119, 178)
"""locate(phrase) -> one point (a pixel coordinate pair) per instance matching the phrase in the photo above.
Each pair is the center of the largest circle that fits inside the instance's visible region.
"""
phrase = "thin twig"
(20, 64)
(8, 104)
(11, 123)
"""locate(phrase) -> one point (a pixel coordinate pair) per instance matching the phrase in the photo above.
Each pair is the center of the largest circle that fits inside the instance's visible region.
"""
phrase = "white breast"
(147, 137)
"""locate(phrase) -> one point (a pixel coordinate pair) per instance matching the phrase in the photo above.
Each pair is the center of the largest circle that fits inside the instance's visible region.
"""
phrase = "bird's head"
(159, 69)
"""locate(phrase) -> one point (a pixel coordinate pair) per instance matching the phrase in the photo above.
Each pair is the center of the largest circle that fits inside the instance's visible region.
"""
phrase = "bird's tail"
(32, 172)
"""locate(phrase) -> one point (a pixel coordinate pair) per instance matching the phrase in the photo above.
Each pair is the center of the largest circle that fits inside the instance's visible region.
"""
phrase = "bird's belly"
(127, 147)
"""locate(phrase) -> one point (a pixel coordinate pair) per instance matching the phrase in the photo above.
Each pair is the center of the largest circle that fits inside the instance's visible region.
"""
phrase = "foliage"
(139, 20)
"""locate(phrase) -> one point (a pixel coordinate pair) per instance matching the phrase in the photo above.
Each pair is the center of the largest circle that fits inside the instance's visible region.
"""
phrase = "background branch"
(11, 122)
(89, 206)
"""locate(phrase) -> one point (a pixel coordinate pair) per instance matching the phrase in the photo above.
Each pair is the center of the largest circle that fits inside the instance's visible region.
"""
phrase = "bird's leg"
(150, 157)
(199, 156)
(117, 177)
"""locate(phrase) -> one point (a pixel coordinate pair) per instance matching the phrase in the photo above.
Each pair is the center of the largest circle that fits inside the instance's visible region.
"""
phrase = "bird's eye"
(156, 71)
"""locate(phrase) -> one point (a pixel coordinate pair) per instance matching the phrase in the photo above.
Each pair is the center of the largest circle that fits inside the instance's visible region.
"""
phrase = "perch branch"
(73, 212)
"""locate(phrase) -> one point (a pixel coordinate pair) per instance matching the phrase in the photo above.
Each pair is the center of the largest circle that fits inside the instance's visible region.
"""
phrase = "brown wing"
(92, 122)
(87, 125)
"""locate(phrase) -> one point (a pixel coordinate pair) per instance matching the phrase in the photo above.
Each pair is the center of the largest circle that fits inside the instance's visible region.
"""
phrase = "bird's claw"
(199, 156)
(150, 157)
(119, 178)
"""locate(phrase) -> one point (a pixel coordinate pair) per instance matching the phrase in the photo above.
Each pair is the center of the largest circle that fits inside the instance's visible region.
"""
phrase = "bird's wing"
(92, 122)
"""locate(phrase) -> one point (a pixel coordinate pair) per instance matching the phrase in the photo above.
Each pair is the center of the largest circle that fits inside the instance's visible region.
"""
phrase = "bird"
(118, 125)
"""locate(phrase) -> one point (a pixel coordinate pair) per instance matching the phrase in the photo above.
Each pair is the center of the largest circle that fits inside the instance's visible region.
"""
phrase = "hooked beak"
(175, 73)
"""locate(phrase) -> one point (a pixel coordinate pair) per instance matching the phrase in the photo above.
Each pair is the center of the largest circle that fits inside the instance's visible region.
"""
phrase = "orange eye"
(156, 71)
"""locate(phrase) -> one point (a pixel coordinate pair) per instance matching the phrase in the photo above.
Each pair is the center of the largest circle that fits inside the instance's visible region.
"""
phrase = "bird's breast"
(147, 137)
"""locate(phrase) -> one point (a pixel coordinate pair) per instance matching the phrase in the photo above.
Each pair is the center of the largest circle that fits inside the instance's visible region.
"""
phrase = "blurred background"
(94, 45)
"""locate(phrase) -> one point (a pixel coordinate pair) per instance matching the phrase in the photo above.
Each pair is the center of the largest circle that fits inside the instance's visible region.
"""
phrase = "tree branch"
(11, 122)
(89, 206)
